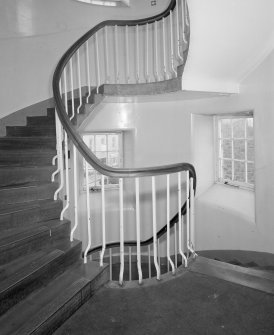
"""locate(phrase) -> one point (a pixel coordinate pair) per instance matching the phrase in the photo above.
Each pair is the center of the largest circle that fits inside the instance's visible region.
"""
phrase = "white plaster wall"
(220, 225)
(229, 38)
(159, 134)
(35, 34)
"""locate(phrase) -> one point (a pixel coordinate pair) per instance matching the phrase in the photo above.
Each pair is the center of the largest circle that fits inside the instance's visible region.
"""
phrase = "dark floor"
(189, 304)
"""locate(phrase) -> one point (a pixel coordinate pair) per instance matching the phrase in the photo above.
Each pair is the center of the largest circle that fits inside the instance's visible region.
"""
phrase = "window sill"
(231, 199)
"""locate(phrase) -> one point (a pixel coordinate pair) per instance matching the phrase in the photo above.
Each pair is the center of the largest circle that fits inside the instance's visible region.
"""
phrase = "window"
(235, 150)
(108, 148)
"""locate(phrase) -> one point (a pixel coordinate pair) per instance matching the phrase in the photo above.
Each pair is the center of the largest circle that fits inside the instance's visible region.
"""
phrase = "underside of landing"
(191, 303)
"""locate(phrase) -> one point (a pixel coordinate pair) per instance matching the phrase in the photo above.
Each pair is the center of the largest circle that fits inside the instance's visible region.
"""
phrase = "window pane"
(238, 128)
(226, 149)
(113, 142)
(227, 169)
(239, 171)
(225, 128)
(102, 156)
(113, 159)
(101, 143)
(249, 127)
(250, 150)
(250, 173)
(239, 149)
(89, 140)
(91, 178)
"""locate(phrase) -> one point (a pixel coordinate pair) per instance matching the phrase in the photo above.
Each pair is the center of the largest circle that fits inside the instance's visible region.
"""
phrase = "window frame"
(218, 158)
(121, 157)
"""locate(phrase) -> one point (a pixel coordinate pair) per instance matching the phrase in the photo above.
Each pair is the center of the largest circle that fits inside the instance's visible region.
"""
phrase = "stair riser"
(25, 175)
(9, 143)
(38, 279)
(24, 194)
(29, 131)
(38, 120)
(38, 159)
(29, 216)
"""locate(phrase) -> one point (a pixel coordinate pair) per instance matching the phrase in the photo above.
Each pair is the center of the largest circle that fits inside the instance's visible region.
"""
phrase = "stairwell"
(42, 276)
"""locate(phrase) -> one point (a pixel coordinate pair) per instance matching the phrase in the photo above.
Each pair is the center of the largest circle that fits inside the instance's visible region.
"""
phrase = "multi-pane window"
(235, 151)
(108, 148)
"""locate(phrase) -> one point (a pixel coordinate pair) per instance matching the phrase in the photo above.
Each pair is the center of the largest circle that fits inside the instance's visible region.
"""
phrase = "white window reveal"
(235, 151)
(108, 147)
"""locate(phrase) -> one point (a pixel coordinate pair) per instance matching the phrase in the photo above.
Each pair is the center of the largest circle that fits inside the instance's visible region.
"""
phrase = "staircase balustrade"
(144, 51)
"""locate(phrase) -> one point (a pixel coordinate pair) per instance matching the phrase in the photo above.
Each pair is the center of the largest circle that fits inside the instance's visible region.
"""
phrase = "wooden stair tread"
(31, 313)
(18, 207)
(27, 185)
(253, 278)
(8, 269)
(15, 233)
(26, 271)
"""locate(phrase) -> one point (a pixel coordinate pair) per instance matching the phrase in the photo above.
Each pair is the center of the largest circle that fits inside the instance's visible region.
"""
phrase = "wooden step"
(45, 310)
(166, 86)
(40, 120)
(15, 242)
(12, 176)
(17, 143)
(30, 131)
(25, 214)
(27, 192)
(26, 157)
(36, 274)
(256, 279)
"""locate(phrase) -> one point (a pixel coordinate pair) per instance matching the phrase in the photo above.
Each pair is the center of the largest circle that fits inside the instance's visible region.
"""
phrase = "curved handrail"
(72, 132)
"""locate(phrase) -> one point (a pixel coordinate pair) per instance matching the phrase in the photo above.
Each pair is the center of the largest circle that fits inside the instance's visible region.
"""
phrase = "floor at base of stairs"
(193, 304)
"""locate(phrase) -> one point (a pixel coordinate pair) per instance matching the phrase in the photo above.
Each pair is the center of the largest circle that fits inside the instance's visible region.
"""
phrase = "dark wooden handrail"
(72, 132)
(82, 147)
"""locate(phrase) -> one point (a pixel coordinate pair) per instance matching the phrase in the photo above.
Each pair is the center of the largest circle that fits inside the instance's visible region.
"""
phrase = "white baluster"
(57, 151)
(72, 90)
(60, 155)
(184, 259)
(107, 76)
(97, 62)
(129, 263)
(75, 179)
(147, 55)
(175, 245)
(180, 58)
(184, 19)
(127, 57)
(187, 211)
(88, 213)
(168, 225)
(122, 252)
(164, 48)
(116, 54)
(103, 220)
(137, 55)
(137, 188)
(149, 262)
(156, 51)
(158, 255)
(88, 71)
(67, 179)
(154, 222)
(171, 44)
(110, 264)
(192, 218)
(79, 81)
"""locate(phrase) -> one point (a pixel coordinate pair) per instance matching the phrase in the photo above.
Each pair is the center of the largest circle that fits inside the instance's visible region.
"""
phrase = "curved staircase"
(42, 279)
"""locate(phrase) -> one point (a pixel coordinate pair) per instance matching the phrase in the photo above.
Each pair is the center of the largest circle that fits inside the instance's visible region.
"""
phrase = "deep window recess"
(235, 151)
(108, 147)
